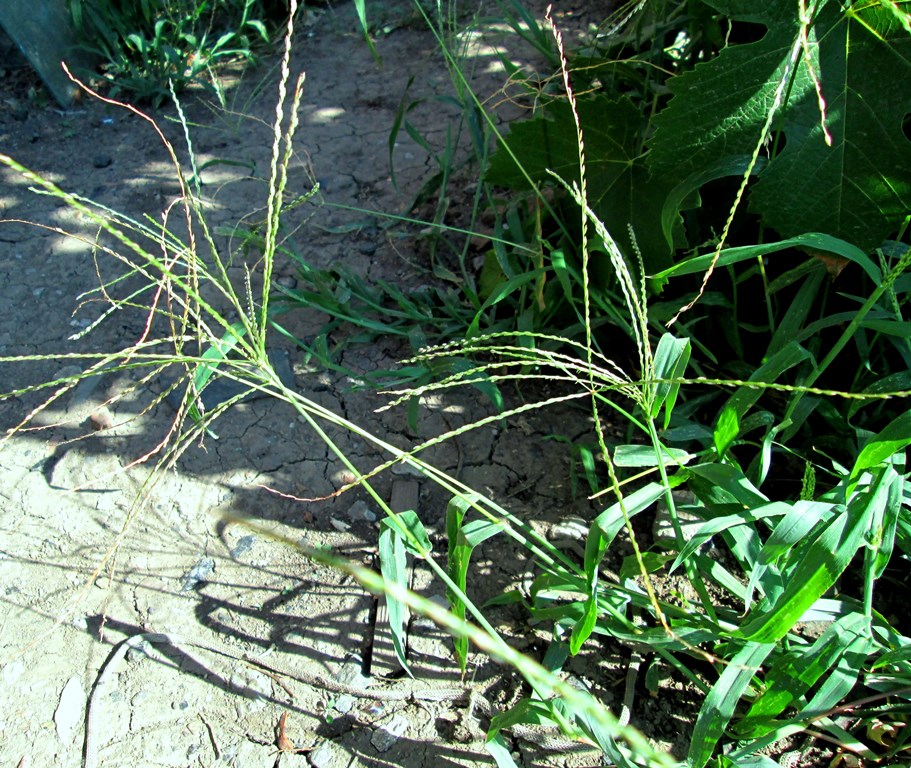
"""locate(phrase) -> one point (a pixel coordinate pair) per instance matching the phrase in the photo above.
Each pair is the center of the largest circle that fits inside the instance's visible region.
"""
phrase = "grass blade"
(719, 705)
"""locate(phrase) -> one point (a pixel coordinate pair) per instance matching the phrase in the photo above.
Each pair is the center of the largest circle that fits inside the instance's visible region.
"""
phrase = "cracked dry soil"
(181, 566)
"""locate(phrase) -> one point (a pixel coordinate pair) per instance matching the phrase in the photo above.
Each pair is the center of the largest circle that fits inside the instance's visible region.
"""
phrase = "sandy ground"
(178, 565)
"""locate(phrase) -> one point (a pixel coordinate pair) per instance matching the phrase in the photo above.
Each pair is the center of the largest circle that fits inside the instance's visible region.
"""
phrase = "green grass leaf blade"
(726, 430)
(671, 359)
(645, 456)
(499, 751)
(820, 564)
(394, 567)
(813, 240)
(894, 437)
(457, 567)
(722, 700)
(361, 8)
(217, 353)
(769, 372)
(797, 671)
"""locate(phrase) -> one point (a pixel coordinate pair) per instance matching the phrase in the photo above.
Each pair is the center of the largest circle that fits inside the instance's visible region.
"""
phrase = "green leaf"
(499, 751)
(893, 438)
(813, 241)
(820, 564)
(409, 526)
(653, 562)
(726, 430)
(214, 355)
(769, 372)
(859, 188)
(457, 568)
(645, 456)
(394, 567)
(671, 358)
(794, 673)
(722, 700)
(463, 538)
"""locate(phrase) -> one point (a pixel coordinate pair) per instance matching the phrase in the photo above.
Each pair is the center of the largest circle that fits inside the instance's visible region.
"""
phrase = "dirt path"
(180, 568)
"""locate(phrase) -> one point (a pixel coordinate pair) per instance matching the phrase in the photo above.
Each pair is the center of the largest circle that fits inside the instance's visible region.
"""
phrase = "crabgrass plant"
(214, 329)
(740, 635)
(787, 659)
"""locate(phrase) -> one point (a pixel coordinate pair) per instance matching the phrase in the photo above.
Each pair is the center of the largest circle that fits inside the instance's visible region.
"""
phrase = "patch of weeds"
(149, 48)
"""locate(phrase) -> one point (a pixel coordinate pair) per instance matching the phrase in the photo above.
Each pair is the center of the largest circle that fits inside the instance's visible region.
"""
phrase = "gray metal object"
(43, 31)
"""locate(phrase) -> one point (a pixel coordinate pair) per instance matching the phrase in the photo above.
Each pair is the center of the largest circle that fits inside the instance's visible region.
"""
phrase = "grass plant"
(761, 563)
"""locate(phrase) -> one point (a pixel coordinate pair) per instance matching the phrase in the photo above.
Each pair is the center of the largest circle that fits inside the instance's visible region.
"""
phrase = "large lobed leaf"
(859, 188)
(620, 190)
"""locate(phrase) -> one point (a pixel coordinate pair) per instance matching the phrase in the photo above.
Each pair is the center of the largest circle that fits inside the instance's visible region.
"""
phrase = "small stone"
(139, 651)
(102, 161)
(339, 525)
(101, 419)
(569, 529)
(327, 755)
(361, 511)
(69, 710)
(198, 573)
(287, 281)
(244, 545)
(385, 737)
(344, 703)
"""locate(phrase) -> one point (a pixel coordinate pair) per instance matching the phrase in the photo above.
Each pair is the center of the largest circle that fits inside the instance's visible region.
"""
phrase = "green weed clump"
(148, 48)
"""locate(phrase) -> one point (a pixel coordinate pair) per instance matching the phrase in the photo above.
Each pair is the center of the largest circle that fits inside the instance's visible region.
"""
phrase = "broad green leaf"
(798, 520)
(620, 191)
(214, 355)
(607, 525)
(725, 523)
(457, 568)
(463, 538)
(794, 673)
(394, 567)
(843, 679)
(653, 562)
(798, 310)
(500, 752)
(409, 526)
(859, 188)
(769, 372)
(729, 478)
(583, 628)
(644, 456)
